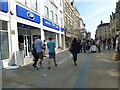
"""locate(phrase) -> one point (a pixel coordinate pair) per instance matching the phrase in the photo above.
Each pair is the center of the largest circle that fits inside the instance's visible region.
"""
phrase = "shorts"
(52, 55)
(40, 55)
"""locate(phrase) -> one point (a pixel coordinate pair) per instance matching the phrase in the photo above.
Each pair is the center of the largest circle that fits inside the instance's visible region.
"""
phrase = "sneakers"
(37, 68)
(75, 63)
(56, 65)
(48, 67)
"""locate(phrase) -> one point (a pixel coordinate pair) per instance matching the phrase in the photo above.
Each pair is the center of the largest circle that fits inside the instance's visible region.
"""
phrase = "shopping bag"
(71, 57)
(116, 56)
(106, 47)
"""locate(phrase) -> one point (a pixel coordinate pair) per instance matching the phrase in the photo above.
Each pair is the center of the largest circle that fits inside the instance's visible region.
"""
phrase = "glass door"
(27, 46)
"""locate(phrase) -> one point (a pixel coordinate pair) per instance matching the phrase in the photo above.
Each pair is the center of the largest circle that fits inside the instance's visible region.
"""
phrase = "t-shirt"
(51, 46)
(38, 45)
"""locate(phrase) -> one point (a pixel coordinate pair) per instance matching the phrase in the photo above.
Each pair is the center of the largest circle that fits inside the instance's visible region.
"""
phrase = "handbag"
(116, 56)
(71, 49)
(71, 57)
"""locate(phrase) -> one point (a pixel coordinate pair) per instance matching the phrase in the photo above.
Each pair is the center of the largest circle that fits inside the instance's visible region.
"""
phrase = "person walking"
(51, 48)
(34, 53)
(84, 45)
(74, 50)
(38, 47)
(44, 48)
(98, 45)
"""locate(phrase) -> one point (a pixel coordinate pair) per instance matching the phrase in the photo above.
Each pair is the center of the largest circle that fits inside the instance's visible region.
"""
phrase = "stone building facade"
(103, 31)
(115, 20)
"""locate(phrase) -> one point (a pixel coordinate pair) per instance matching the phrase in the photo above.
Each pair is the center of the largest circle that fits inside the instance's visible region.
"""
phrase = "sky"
(93, 11)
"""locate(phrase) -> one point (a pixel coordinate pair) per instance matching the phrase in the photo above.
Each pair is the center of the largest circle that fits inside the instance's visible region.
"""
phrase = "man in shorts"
(38, 47)
(51, 47)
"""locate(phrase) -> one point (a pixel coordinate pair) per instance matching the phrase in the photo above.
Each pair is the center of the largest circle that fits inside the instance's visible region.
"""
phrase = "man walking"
(51, 47)
(38, 47)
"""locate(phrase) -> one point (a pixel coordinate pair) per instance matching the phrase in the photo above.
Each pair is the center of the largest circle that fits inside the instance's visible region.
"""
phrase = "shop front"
(26, 32)
(5, 47)
(52, 30)
(26, 35)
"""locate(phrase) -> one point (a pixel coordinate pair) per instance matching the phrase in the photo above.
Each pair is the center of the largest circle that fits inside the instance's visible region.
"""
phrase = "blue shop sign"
(24, 13)
(62, 29)
(50, 24)
(4, 5)
(55, 26)
(47, 23)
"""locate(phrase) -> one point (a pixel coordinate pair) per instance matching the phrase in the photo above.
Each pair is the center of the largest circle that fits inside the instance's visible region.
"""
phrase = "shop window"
(4, 45)
(4, 42)
(3, 25)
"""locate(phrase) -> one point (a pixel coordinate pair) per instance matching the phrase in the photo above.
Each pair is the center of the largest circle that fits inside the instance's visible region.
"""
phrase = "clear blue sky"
(93, 12)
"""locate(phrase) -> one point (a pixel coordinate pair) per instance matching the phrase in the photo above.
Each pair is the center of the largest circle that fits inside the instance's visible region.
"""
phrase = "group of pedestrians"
(92, 46)
(77, 46)
(38, 51)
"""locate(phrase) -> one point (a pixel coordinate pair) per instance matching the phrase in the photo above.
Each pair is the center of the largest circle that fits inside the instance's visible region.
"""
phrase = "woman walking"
(74, 49)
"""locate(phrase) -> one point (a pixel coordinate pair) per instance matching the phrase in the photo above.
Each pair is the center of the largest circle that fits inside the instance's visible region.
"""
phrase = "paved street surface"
(96, 70)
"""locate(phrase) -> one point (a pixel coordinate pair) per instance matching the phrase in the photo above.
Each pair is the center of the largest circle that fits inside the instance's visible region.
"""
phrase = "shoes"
(75, 63)
(56, 65)
(34, 65)
(48, 67)
(37, 68)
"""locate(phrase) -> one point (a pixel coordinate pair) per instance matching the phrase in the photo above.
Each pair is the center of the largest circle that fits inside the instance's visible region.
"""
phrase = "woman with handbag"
(74, 49)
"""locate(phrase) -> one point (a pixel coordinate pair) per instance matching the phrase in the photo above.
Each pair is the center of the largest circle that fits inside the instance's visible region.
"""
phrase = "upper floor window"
(56, 17)
(22, 1)
(46, 11)
(33, 4)
(52, 15)
(60, 2)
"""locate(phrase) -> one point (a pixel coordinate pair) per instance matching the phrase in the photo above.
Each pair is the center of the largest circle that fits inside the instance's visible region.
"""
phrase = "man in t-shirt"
(51, 47)
(38, 47)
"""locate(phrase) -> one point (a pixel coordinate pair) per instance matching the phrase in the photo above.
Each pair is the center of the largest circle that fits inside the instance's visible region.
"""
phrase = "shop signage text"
(50, 24)
(24, 13)
(4, 5)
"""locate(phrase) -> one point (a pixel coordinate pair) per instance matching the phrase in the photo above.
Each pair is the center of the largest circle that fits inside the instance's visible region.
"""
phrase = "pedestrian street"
(93, 70)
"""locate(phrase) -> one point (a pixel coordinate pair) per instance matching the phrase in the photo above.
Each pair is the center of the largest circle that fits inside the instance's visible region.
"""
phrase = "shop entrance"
(25, 44)
(25, 38)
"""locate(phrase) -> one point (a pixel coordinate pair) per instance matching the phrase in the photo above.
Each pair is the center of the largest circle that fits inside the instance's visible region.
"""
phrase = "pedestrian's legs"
(55, 62)
(35, 61)
(99, 49)
(49, 63)
(75, 58)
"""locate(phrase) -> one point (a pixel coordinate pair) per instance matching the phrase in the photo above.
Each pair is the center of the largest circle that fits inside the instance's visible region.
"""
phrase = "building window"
(46, 11)
(61, 22)
(56, 18)
(33, 4)
(22, 1)
(4, 42)
(60, 2)
(52, 15)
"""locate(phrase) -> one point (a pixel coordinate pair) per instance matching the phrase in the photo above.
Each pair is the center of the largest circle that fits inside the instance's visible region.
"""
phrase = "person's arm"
(54, 44)
(47, 45)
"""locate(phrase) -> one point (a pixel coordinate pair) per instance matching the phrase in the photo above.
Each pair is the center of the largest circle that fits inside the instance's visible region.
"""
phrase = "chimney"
(112, 13)
(101, 22)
